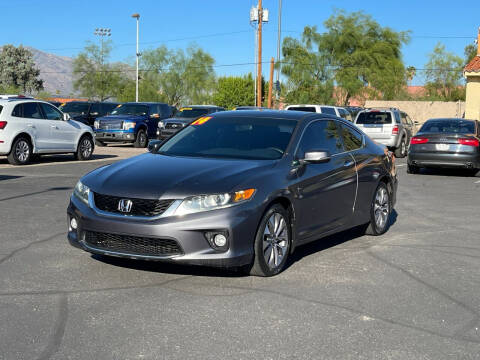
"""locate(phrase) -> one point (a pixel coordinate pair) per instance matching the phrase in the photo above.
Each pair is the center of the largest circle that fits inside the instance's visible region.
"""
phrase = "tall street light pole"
(259, 56)
(137, 16)
(277, 83)
(102, 32)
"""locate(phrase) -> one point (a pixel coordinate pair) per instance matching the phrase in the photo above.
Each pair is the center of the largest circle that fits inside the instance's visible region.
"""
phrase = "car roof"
(273, 114)
(144, 103)
(201, 106)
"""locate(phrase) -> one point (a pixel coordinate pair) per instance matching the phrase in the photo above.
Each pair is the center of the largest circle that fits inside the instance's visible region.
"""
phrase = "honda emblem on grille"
(125, 205)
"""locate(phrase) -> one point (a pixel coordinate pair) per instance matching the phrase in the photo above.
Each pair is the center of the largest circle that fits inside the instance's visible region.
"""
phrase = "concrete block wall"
(421, 111)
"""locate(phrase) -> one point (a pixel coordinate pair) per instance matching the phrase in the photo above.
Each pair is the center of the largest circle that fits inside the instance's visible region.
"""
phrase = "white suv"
(31, 127)
(323, 109)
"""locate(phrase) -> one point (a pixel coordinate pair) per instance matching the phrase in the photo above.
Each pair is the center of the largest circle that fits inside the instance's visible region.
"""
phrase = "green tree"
(174, 76)
(309, 79)
(18, 71)
(94, 76)
(444, 75)
(410, 73)
(470, 52)
(233, 91)
(43, 95)
(355, 53)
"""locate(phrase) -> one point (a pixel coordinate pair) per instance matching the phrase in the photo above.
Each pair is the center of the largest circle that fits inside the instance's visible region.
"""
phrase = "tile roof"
(473, 65)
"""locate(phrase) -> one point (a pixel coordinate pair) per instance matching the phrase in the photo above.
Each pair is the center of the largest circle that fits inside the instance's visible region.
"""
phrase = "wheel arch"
(29, 138)
(85, 133)
(287, 204)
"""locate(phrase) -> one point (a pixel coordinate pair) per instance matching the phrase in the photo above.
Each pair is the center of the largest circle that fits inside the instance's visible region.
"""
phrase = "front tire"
(380, 211)
(142, 139)
(272, 242)
(401, 151)
(85, 148)
(21, 152)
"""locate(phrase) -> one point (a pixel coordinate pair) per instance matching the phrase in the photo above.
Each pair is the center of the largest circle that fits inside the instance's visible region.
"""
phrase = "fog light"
(73, 224)
(220, 240)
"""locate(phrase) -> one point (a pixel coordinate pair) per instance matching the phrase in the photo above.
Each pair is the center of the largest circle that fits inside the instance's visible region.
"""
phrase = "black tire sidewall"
(259, 262)
(138, 142)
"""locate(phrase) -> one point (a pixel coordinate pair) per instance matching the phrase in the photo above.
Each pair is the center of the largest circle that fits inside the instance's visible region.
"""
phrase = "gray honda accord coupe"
(236, 189)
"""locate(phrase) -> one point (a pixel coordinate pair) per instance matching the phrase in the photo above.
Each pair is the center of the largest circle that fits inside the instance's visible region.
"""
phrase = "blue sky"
(63, 27)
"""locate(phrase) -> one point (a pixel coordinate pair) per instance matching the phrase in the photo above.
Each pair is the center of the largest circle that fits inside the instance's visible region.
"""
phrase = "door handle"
(348, 163)
(31, 125)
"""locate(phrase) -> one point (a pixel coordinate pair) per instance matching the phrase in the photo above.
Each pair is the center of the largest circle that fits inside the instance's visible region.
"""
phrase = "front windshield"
(75, 107)
(448, 126)
(236, 138)
(130, 109)
(191, 113)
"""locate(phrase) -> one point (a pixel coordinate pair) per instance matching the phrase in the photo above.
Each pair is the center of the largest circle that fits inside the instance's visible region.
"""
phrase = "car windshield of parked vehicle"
(235, 138)
(75, 107)
(448, 126)
(191, 112)
(131, 109)
(374, 117)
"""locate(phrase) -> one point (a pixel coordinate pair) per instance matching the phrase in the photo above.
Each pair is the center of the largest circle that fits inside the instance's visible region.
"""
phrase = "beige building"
(472, 74)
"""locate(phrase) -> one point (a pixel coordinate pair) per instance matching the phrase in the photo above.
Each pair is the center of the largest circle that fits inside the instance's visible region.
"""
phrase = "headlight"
(96, 124)
(161, 124)
(127, 125)
(200, 203)
(81, 191)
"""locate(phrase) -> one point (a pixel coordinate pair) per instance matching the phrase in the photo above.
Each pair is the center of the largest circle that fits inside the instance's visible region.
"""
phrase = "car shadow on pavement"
(194, 270)
(9, 177)
(45, 159)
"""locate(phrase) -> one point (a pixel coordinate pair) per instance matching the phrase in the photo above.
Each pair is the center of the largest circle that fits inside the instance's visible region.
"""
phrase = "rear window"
(449, 126)
(303, 108)
(328, 110)
(1, 108)
(374, 117)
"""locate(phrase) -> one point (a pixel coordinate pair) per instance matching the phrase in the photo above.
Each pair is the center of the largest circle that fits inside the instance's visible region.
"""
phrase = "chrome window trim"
(169, 212)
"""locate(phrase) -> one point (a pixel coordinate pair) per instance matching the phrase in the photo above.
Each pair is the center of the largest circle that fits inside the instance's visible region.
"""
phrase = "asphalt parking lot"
(413, 293)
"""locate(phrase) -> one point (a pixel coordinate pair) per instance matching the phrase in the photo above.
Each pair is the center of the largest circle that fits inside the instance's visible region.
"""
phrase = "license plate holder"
(442, 147)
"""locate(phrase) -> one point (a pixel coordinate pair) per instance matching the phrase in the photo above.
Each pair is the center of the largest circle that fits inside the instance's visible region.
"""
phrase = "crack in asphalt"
(16, 251)
(468, 309)
(59, 329)
(62, 188)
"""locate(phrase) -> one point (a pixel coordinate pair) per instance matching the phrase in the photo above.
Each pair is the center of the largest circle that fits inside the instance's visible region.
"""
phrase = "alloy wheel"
(381, 208)
(22, 151)
(86, 148)
(275, 240)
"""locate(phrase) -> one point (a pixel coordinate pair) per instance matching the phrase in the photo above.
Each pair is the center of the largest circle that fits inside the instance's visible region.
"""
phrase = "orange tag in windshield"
(202, 120)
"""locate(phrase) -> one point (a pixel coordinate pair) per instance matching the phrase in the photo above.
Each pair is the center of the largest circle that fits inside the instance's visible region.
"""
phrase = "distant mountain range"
(56, 72)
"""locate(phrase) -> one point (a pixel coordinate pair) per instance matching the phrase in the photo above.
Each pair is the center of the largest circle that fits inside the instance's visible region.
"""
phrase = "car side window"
(31, 111)
(397, 117)
(320, 135)
(50, 112)
(96, 108)
(352, 139)
(404, 118)
(409, 121)
(17, 111)
(328, 110)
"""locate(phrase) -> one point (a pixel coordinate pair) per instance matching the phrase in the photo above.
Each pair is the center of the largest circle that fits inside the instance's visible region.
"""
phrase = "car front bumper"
(115, 135)
(166, 133)
(190, 232)
(445, 160)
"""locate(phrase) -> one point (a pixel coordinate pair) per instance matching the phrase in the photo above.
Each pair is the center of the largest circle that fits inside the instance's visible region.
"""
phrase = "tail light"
(3, 124)
(418, 140)
(468, 142)
(395, 130)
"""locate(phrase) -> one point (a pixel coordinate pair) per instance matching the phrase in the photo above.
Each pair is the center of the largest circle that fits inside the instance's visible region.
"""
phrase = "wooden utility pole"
(259, 56)
(270, 84)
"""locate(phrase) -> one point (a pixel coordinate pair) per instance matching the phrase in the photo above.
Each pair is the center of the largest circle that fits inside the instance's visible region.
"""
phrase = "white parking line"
(400, 165)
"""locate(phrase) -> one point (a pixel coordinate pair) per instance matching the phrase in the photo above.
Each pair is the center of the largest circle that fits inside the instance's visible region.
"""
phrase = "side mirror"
(315, 157)
(155, 116)
(66, 117)
(154, 145)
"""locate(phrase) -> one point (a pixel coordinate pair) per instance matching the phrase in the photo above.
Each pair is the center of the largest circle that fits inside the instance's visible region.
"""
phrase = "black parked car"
(183, 117)
(446, 143)
(86, 111)
(55, 103)
(237, 188)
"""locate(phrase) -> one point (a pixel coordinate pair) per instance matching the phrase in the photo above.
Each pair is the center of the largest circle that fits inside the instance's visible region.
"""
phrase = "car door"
(407, 126)
(35, 123)
(62, 133)
(325, 191)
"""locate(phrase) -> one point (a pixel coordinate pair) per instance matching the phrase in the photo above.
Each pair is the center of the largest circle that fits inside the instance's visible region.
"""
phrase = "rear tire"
(272, 242)
(380, 211)
(401, 151)
(21, 152)
(412, 169)
(85, 148)
(142, 139)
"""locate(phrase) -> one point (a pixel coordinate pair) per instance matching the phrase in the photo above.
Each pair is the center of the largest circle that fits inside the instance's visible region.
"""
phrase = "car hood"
(121, 117)
(154, 176)
(80, 126)
(182, 120)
